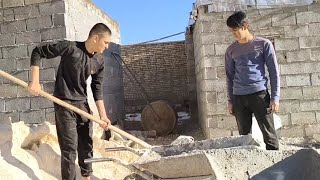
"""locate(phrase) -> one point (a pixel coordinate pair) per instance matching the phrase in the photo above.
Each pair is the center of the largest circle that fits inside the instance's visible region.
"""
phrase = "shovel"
(77, 110)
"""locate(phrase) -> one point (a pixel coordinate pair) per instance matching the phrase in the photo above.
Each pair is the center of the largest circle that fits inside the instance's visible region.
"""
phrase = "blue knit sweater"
(245, 66)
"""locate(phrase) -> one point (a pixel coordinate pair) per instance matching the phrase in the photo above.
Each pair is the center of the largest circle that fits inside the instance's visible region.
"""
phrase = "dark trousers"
(258, 104)
(74, 134)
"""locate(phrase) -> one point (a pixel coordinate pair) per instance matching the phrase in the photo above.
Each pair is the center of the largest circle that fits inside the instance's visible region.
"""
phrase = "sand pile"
(32, 152)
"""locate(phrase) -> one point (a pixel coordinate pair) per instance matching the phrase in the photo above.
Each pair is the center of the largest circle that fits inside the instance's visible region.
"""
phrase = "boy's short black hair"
(237, 19)
(99, 29)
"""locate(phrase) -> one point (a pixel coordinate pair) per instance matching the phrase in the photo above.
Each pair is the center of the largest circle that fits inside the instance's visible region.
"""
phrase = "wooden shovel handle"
(75, 109)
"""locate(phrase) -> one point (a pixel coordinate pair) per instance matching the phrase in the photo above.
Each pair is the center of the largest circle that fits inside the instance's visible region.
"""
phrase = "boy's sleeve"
(48, 51)
(230, 70)
(97, 84)
(273, 68)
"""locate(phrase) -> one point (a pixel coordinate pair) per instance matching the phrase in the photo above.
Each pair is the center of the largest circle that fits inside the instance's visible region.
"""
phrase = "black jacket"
(75, 67)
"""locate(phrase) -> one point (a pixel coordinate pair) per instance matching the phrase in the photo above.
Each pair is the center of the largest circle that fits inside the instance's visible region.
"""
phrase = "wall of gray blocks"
(27, 23)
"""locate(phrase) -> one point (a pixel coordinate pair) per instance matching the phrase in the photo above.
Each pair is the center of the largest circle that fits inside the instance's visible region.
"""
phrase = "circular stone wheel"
(165, 122)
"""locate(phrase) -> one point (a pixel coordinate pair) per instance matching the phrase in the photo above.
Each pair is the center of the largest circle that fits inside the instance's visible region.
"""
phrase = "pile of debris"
(32, 152)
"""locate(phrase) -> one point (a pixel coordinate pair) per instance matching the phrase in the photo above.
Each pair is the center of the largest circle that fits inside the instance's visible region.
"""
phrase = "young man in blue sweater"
(245, 62)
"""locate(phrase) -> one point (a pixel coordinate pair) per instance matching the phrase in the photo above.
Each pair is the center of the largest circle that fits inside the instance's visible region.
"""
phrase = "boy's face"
(101, 42)
(239, 32)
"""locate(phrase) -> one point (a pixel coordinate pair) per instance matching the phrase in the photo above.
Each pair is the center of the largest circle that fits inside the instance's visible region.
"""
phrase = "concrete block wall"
(161, 69)
(296, 35)
(23, 25)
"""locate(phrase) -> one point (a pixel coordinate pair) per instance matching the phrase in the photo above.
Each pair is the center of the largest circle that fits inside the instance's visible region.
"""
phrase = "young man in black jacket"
(79, 60)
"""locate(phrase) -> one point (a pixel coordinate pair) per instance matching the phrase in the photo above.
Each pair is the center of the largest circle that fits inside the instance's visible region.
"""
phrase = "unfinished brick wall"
(162, 71)
(24, 24)
(296, 35)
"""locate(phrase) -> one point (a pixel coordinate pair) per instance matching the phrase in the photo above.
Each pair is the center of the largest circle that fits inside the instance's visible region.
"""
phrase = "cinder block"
(14, 27)
(222, 97)
(54, 7)
(16, 104)
(7, 40)
(270, 32)
(299, 68)
(221, 73)
(303, 118)
(30, 49)
(293, 131)
(315, 79)
(8, 64)
(310, 105)
(299, 55)
(311, 92)
(220, 49)
(15, 52)
(291, 93)
(23, 64)
(12, 3)
(298, 80)
(222, 122)
(214, 85)
(40, 103)
(58, 20)
(216, 109)
(217, 37)
(210, 73)
(312, 129)
(209, 26)
(23, 92)
(8, 15)
(216, 133)
(210, 97)
(28, 37)
(286, 44)
(26, 12)
(2, 109)
(22, 75)
(1, 12)
(281, 58)
(28, 2)
(284, 19)
(285, 119)
(39, 23)
(314, 29)
(289, 106)
(8, 90)
(296, 31)
(50, 115)
(213, 61)
(309, 42)
(207, 50)
(54, 33)
(315, 54)
(295, 9)
(13, 115)
(308, 17)
(262, 21)
(33, 117)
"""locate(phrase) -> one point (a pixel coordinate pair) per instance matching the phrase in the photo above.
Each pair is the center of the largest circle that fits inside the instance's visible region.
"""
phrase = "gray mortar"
(231, 158)
(218, 143)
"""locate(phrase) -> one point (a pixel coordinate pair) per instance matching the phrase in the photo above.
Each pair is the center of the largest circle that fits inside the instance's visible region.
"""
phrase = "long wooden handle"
(75, 109)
